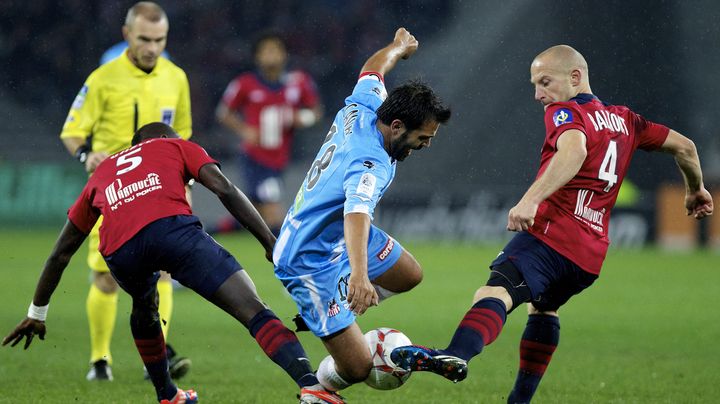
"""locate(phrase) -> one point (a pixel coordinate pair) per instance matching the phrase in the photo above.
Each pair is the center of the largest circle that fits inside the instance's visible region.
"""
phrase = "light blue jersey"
(350, 174)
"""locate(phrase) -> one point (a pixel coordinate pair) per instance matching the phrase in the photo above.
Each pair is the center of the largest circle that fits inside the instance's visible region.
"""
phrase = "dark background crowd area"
(51, 47)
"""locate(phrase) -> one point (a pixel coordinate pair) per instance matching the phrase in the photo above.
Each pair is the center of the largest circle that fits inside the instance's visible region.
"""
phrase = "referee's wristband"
(37, 312)
(81, 154)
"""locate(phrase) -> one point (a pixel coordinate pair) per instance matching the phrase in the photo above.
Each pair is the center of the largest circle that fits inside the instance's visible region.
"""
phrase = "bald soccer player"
(562, 220)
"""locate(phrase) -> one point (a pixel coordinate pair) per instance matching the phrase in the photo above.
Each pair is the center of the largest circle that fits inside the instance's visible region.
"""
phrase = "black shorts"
(175, 244)
(551, 278)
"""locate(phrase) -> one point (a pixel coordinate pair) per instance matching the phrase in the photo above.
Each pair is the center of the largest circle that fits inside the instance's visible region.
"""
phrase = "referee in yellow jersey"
(120, 96)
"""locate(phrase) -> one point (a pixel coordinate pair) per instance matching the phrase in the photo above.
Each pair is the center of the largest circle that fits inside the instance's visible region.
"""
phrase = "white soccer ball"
(384, 375)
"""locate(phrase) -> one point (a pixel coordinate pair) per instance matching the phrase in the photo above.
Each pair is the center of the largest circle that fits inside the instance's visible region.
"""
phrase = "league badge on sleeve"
(80, 98)
(562, 116)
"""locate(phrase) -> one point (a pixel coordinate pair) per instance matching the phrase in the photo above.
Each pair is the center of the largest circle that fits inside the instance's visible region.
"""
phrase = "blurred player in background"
(329, 256)
(117, 98)
(264, 108)
(563, 218)
(148, 226)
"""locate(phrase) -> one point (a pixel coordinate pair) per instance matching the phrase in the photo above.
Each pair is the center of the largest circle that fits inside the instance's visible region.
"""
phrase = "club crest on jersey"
(562, 116)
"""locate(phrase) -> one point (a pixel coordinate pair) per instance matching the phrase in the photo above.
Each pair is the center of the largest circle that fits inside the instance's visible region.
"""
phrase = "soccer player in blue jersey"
(329, 256)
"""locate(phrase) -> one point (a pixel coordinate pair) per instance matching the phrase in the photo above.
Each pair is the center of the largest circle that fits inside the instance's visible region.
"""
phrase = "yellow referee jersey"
(118, 98)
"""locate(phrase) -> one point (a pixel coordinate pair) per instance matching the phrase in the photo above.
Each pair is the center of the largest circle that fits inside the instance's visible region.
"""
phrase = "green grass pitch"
(646, 332)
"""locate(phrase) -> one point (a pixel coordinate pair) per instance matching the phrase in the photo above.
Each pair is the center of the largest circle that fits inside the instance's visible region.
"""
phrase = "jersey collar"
(584, 98)
(136, 71)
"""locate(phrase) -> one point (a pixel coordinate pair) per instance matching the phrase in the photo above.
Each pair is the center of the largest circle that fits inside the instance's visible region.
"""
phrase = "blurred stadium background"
(660, 58)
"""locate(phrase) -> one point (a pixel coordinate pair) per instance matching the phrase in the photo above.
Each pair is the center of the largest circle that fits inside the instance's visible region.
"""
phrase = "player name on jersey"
(608, 120)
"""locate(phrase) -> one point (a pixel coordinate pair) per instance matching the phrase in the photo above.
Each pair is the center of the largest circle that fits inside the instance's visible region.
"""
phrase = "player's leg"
(101, 306)
(542, 331)
(133, 267)
(505, 289)
(391, 268)
(538, 343)
(349, 361)
(200, 263)
(238, 297)
(179, 365)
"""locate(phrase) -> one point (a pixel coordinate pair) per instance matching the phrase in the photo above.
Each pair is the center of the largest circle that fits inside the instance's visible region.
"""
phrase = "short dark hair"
(153, 130)
(267, 36)
(414, 103)
(149, 10)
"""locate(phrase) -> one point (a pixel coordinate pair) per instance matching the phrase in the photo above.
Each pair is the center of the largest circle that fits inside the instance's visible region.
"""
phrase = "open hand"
(27, 328)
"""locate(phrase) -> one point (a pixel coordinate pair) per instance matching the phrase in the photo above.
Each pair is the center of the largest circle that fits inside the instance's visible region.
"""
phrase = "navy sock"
(480, 326)
(282, 346)
(541, 337)
(150, 343)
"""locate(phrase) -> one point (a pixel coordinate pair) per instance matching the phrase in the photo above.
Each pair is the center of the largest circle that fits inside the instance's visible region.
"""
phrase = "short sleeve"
(364, 180)
(650, 135)
(82, 214)
(195, 157)
(560, 118)
(234, 95)
(369, 91)
(85, 110)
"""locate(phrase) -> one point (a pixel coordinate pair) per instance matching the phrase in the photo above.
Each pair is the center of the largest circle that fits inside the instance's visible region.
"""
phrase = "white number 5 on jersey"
(607, 168)
(125, 159)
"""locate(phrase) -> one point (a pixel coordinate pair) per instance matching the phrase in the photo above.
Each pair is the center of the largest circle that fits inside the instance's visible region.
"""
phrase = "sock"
(150, 344)
(165, 305)
(480, 326)
(101, 310)
(541, 337)
(329, 377)
(383, 293)
(282, 346)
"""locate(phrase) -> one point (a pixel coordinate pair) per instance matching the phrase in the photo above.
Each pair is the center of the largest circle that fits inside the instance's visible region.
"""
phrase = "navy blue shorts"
(175, 244)
(262, 184)
(551, 278)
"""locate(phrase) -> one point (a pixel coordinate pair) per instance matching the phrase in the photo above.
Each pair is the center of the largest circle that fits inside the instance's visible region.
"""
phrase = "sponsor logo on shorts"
(333, 309)
(386, 251)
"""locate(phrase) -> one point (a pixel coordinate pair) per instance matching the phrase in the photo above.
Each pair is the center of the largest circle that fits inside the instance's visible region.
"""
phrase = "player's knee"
(497, 292)
(412, 273)
(414, 276)
(356, 372)
(105, 282)
(532, 310)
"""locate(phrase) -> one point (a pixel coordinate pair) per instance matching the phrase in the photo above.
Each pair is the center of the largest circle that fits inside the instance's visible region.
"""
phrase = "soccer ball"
(384, 375)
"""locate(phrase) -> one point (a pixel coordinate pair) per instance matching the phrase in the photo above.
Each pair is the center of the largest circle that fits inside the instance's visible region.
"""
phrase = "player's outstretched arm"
(70, 239)
(238, 205)
(562, 168)
(698, 200)
(403, 46)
